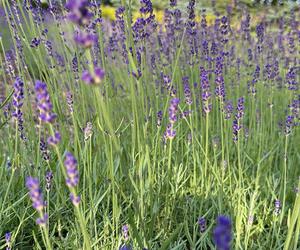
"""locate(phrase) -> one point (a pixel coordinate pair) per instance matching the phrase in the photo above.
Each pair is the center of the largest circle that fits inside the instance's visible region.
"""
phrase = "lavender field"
(150, 130)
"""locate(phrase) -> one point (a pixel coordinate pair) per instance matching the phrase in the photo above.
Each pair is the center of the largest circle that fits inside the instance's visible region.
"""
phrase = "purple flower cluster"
(159, 116)
(48, 177)
(173, 109)
(72, 179)
(85, 39)
(55, 139)
(93, 78)
(36, 196)
(260, 32)
(205, 91)
(187, 90)
(236, 126)
(167, 84)
(79, 11)
(18, 103)
(228, 109)
(8, 240)
(291, 79)
(125, 234)
(277, 205)
(44, 104)
(125, 247)
(219, 80)
(222, 233)
(173, 3)
(146, 7)
(240, 108)
(202, 224)
(125, 231)
(252, 87)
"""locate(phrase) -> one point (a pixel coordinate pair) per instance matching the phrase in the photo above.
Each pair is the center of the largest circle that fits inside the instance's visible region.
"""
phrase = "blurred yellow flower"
(108, 12)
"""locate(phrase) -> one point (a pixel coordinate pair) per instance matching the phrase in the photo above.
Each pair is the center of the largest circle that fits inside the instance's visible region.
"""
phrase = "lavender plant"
(168, 114)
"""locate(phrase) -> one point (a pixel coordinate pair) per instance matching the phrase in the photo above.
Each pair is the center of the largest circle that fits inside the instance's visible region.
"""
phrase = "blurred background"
(268, 11)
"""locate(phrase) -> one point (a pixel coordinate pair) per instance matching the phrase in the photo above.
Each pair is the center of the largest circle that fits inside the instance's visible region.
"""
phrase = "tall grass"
(130, 171)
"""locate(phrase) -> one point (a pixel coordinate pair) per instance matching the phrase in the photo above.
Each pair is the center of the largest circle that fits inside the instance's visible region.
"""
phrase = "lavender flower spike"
(48, 177)
(93, 78)
(125, 231)
(37, 199)
(44, 103)
(202, 224)
(85, 40)
(8, 240)
(72, 179)
(173, 110)
(18, 103)
(222, 233)
(72, 172)
(78, 11)
(55, 139)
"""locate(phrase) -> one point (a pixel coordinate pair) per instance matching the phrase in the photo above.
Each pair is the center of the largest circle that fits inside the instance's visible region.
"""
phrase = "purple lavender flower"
(235, 130)
(219, 80)
(72, 179)
(88, 131)
(289, 124)
(125, 234)
(291, 79)
(205, 89)
(8, 240)
(240, 108)
(187, 90)
(125, 247)
(78, 11)
(173, 3)
(170, 132)
(75, 199)
(168, 85)
(69, 99)
(260, 29)
(125, 231)
(202, 224)
(44, 103)
(85, 39)
(222, 233)
(55, 139)
(75, 67)
(277, 205)
(35, 42)
(18, 103)
(37, 199)
(236, 126)
(72, 172)
(48, 177)
(93, 78)
(228, 109)
(159, 118)
(295, 107)
(224, 28)
(192, 29)
(146, 6)
(252, 88)
(120, 26)
(44, 150)
(173, 108)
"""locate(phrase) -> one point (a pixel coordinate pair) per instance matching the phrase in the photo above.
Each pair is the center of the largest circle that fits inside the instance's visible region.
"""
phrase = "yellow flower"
(108, 12)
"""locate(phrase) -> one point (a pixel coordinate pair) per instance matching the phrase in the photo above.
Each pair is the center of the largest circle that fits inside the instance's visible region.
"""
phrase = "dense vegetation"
(139, 134)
